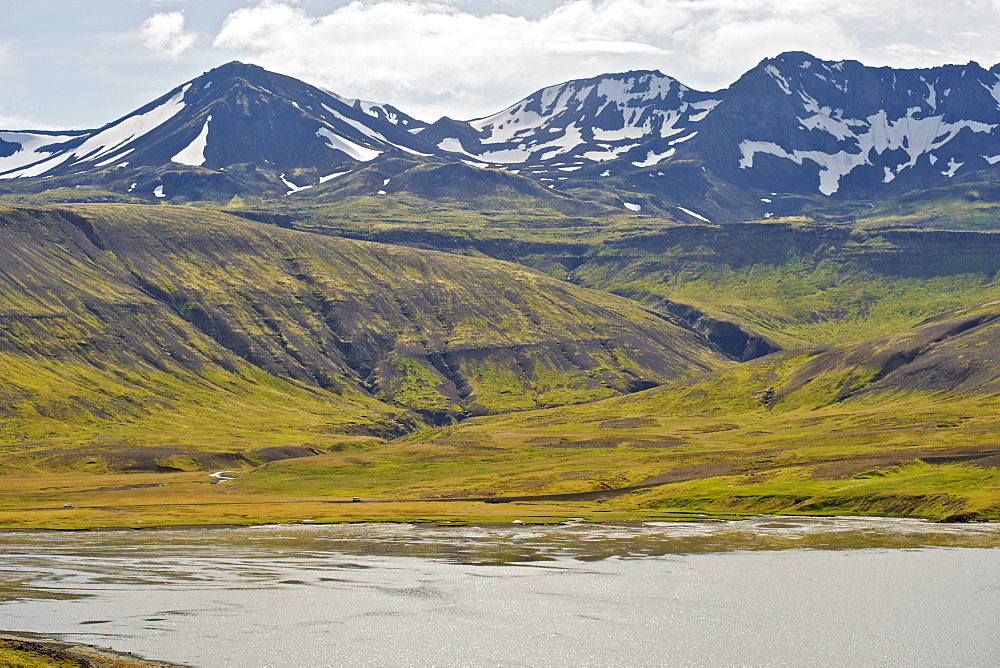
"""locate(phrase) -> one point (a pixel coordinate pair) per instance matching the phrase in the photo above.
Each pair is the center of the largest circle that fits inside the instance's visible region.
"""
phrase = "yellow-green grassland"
(665, 372)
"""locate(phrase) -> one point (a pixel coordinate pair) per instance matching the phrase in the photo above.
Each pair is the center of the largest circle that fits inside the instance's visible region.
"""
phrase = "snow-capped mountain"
(799, 124)
(638, 117)
(793, 127)
(235, 114)
(794, 124)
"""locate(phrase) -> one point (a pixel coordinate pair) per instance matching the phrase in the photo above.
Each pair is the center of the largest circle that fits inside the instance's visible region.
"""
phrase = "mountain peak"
(255, 75)
(235, 67)
(793, 57)
(237, 114)
(792, 62)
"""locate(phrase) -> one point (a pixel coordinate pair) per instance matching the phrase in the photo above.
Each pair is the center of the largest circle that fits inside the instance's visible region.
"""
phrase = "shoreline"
(89, 656)
(528, 521)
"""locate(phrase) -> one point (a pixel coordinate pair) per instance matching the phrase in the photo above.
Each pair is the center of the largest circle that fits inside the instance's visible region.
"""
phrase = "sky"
(73, 64)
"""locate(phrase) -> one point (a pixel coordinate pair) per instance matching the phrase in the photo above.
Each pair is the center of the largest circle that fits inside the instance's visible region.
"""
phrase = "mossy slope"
(194, 316)
(790, 281)
(902, 424)
(795, 283)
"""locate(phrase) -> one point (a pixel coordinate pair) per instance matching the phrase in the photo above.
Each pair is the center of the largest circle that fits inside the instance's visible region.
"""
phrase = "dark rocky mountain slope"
(794, 125)
(235, 129)
(793, 134)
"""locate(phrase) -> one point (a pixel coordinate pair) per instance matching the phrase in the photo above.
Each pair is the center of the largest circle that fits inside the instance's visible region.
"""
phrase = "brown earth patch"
(146, 458)
(982, 456)
(364, 463)
(435, 458)
(712, 428)
(278, 453)
(848, 468)
(547, 442)
(691, 472)
(992, 462)
(661, 443)
(123, 488)
(627, 423)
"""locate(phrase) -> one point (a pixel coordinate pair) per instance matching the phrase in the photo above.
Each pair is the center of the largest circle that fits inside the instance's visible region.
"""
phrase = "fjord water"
(766, 591)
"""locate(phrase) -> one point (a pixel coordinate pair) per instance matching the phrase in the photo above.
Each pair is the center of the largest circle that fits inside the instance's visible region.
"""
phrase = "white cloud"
(426, 53)
(164, 33)
(746, 43)
(597, 46)
(15, 122)
(432, 57)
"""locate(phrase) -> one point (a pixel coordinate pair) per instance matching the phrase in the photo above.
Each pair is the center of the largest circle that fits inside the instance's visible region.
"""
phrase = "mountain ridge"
(795, 131)
(187, 293)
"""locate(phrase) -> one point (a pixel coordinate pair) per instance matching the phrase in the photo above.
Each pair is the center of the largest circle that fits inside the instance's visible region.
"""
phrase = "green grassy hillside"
(796, 283)
(130, 325)
(970, 205)
(791, 281)
(901, 424)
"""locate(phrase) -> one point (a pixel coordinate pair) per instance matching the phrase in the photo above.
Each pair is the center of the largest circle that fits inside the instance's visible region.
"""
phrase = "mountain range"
(793, 133)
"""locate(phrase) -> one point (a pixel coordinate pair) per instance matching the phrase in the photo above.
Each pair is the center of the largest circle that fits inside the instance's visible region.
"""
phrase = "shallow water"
(768, 591)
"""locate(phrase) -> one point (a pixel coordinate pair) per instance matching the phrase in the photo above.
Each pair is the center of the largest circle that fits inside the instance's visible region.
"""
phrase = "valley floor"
(191, 500)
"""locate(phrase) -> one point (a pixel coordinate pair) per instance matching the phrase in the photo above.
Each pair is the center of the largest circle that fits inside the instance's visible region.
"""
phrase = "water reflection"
(503, 544)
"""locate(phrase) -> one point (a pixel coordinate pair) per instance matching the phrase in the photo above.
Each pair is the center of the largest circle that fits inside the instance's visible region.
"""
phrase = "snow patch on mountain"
(779, 79)
(364, 130)
(596, 119)
(994, 90)
(931, 98)
(131, 128)
(330, 177)
(953, 166)
(627, 132)
(451, 144)
(112, 137)
(654, 158)
(914, 135)
(703, 108)
(608, 152)
(32, 150)
(115, 158)
(683, 139)
(696, 215)
(570, 139)
(194, 153)
(506, 127)
(343, 145)
(291, 186)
